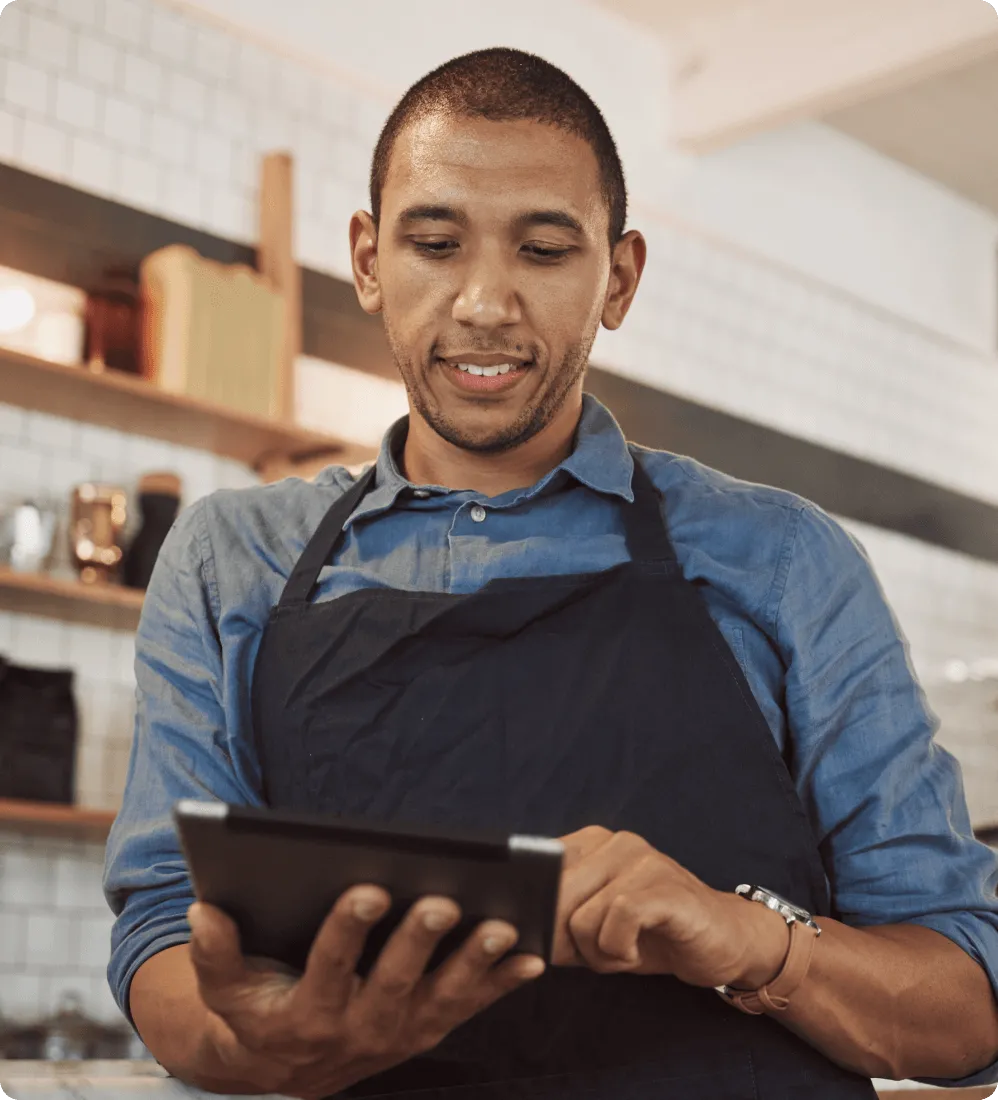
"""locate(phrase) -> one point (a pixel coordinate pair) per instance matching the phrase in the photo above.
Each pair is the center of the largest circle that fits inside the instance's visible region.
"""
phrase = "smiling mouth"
(481, 378)
(486, 366)
(477, 371)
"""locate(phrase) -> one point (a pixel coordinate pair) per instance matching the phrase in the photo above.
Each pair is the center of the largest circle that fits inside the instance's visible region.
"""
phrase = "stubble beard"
(533, 419)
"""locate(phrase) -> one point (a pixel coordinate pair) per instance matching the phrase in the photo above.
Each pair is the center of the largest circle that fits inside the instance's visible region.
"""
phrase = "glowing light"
(17, 308)
(957, 672)
(980, 671)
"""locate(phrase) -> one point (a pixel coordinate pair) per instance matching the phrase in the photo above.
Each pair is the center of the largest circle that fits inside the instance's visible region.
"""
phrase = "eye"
(435, 248)
(539, 252)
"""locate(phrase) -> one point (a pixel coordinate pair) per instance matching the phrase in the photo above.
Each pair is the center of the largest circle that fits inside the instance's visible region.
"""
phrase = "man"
(517, 620)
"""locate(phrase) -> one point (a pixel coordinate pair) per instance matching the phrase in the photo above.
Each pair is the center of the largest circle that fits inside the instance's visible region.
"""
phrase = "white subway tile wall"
(137, 101)
(54, 921)
(55, 928)
(729, 331)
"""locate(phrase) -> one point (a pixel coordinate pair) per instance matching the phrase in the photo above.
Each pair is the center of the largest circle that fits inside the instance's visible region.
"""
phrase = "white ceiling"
(945, 127)
(669, 16)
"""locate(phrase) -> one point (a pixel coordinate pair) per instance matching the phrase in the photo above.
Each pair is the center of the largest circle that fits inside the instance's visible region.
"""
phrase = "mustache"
(517, 351)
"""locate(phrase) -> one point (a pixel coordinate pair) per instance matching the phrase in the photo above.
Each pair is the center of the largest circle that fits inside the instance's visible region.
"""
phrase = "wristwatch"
(804, 932)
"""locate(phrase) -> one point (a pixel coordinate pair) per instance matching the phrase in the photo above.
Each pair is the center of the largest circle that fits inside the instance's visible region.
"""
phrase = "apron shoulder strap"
(320, 548)
(644, 521)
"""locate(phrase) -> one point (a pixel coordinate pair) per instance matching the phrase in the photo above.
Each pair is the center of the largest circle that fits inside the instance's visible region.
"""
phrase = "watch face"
(782, 902)
(773, 901)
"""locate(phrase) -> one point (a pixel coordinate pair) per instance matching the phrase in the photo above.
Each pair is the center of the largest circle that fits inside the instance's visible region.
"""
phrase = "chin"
(489, 438)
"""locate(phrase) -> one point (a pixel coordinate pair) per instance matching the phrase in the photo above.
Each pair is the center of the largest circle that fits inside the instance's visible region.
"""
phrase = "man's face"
(493, 249)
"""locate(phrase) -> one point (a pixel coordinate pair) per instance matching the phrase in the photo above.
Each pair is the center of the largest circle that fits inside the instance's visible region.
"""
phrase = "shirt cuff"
(148, 939)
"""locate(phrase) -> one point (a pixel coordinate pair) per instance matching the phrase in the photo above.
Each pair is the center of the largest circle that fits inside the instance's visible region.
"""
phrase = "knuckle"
(579, 923)
(647, 860)
(449, 1005)
(333, 957)
(391, 987)
(624, 905)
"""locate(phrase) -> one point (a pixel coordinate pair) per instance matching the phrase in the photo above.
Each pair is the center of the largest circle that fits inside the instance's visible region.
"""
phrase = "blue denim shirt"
(791, 591)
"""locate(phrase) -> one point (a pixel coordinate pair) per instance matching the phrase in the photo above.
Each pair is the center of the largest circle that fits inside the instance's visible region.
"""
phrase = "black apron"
(542, 705)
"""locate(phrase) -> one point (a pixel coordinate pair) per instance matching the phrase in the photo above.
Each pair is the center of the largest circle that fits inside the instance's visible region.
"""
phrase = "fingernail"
(436, 921)
(367, 909)
(195, 917)
(494, 944)
(532, 968)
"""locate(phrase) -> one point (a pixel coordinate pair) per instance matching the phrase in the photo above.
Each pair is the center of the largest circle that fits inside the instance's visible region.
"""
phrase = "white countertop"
(95, 1081)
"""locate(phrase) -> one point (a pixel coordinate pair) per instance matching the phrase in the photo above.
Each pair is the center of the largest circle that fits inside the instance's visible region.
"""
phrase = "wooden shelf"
(53, 818)
(98, 605)
(131, 404)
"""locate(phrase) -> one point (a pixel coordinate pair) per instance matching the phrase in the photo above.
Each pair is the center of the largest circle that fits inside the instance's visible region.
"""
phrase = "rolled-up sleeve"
(180, 750)
(887, 801)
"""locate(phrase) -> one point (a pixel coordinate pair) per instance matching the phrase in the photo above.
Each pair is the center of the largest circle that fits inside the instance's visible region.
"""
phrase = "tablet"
(278, 875)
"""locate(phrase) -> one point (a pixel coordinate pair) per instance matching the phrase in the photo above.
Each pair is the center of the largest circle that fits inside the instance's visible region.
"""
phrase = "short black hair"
(507, 85)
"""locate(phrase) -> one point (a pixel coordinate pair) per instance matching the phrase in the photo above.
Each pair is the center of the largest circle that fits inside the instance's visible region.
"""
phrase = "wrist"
(222, 1064)
(766, 936)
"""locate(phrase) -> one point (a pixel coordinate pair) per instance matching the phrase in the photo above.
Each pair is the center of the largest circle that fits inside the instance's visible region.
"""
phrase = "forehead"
(493, 169)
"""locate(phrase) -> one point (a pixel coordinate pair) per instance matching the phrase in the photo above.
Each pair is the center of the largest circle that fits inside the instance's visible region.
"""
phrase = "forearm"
(896, 1001)
(184, 1036)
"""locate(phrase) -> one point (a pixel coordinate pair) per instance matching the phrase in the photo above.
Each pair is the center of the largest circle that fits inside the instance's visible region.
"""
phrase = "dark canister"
(38, 729)
(159, 502)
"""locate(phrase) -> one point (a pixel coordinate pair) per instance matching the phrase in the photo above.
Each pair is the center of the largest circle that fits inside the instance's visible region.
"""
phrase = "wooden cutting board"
(212, 331)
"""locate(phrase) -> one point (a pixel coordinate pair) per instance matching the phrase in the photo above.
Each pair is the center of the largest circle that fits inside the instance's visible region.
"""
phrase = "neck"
(429, 459)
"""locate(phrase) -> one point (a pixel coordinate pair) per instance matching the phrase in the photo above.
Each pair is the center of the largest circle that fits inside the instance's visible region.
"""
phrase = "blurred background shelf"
(51, 818)
(97, 605)
(130, 404)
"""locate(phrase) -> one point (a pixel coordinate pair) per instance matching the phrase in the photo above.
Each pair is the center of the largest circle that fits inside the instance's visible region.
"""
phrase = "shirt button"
(478, 513)
(421, 494)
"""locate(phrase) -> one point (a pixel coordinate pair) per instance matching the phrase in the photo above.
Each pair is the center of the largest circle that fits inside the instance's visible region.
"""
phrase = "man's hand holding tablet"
(313, 1036)
(323, 952)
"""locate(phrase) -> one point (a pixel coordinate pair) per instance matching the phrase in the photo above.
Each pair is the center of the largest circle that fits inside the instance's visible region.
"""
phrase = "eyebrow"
(558, 218)
(433, 212)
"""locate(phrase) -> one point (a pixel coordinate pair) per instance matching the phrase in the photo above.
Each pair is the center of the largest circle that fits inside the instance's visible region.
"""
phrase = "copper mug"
(96, 524)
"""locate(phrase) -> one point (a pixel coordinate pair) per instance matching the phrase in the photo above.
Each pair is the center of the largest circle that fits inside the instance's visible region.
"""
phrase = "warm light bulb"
(17, 308)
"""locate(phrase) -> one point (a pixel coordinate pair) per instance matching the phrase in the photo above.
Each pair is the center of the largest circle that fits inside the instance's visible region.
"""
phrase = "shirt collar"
(600, 460)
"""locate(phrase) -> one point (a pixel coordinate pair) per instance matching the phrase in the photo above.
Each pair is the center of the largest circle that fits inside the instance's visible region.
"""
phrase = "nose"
(488, 298)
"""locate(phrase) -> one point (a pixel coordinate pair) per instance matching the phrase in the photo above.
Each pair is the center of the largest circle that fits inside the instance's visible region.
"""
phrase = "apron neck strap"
(644, 521)
(320, 548)
(647, 534)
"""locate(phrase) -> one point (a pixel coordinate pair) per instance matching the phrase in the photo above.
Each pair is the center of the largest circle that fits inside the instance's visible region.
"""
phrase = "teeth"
(486, 372)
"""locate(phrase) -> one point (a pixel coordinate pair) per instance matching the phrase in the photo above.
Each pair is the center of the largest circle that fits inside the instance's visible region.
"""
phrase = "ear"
(626, 265)
(364, 258)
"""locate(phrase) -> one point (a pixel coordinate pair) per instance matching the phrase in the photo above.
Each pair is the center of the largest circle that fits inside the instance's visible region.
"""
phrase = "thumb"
(215, 953)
